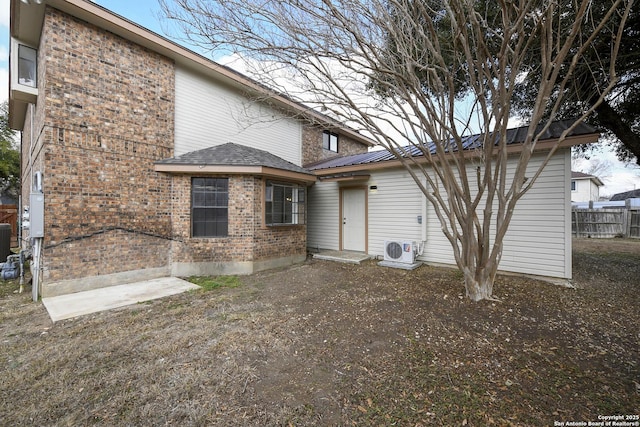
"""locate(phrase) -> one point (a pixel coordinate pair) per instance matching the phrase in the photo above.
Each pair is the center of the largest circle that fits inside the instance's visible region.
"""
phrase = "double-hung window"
(330, 141)
(284, 204)
(209, 207)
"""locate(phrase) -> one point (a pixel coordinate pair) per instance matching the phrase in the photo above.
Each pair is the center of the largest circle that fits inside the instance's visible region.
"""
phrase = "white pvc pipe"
(35, 268)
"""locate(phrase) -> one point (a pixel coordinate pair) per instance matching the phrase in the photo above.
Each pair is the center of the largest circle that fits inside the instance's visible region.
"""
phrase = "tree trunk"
(479, 272)
(479, 283)
(608, 117)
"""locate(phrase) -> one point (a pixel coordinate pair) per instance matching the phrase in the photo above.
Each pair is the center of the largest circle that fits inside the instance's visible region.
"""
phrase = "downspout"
(35, 271)
(423, 222)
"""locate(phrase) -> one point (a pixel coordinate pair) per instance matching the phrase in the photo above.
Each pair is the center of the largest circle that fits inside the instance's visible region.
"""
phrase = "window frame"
(27, 66)
(297, 209)
(23, 71)
(213, 205)
(328, 138)
(574, 185)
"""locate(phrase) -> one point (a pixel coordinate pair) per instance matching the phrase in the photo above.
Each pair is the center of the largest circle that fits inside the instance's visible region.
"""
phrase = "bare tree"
(397, 68)
(596, 166)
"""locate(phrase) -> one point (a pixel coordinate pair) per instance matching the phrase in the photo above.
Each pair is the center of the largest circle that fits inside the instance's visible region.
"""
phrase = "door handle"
(344, 220)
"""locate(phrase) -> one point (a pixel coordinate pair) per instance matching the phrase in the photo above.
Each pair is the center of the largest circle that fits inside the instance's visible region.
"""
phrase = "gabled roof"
(26, 25)
(580, 175)
(233, 158)
(626, 195)
(583, 133)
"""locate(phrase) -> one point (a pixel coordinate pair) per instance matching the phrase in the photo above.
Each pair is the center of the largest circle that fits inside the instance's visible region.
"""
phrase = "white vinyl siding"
(394, 208)
(209, 113)
(323, 222)
(538, 241)
(539, 237)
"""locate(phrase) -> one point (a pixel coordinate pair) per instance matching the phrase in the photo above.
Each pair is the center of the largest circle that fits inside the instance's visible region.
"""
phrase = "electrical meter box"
(36, 215)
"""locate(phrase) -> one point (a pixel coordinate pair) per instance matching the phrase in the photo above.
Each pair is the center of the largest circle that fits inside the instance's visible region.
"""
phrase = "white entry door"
(354, 220)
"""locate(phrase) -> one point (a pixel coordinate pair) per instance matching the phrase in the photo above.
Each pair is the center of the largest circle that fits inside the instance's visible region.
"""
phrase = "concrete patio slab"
(342, 256)
(80, 303)
(401, 265)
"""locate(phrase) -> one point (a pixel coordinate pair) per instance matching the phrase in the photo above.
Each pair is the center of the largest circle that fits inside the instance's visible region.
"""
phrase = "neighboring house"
(153, 160)
(585, 188)
(632, 194)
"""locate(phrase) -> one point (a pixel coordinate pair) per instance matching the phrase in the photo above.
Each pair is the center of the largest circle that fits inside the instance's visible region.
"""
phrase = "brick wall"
(312, 150)
(108, 115)
(237, 246)
(248, 239)
(105, 114)
(275, 241)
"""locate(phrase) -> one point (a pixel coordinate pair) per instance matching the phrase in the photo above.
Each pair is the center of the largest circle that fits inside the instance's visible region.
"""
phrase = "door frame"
(365, 189)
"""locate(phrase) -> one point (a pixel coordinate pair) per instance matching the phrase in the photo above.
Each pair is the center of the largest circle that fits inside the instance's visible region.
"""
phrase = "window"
(209, 207)
(285, 204)
(573, 186)
(330, 141)
(27, 66)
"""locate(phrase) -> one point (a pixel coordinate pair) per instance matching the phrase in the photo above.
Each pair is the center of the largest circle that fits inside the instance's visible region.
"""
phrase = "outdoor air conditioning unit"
(402, 251)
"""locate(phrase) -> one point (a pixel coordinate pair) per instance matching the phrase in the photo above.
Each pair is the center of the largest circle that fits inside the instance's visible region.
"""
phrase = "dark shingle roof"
(514, 136)
(626, 195)
(580, 175)
(231, 154)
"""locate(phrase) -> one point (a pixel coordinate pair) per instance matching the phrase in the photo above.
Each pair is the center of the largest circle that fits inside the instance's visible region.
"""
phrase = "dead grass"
(331, 344)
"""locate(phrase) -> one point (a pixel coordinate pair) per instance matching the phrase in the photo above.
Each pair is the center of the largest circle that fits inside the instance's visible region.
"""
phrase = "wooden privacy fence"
(9, 215)
(605, 223)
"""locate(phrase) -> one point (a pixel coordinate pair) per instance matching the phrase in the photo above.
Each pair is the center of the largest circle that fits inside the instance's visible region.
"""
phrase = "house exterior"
(114, 119)
(142, 159)
(368, 199)
(631, 194)
(584, 187)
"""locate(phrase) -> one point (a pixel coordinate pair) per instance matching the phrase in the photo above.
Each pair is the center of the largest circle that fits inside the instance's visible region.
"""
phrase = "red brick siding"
(105, 114)
(108, 116)
(104, 253)
(276, 241)
(312, 150)
(237, 246)
(104, 84)
(247, 239)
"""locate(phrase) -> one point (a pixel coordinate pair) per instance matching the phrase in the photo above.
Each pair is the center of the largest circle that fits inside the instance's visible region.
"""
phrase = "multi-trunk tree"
(427, 73)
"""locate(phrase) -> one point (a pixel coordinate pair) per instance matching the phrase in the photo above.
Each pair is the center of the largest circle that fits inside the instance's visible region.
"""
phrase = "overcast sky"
(147, 13)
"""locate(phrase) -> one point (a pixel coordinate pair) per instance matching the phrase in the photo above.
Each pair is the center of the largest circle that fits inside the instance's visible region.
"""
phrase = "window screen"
(209, 207)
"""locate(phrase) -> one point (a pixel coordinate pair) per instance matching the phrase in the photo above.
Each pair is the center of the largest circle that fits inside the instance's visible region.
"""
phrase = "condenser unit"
(402, 251)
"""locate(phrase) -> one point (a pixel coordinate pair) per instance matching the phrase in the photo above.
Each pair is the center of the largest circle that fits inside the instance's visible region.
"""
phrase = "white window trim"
(30, 90)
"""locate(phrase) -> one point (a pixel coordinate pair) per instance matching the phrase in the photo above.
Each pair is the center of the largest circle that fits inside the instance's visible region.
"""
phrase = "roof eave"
(511, 149)
(234, 170)
(26, 25)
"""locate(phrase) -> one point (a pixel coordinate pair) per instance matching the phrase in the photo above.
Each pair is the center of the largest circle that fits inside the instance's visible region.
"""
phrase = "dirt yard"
(324, 343)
